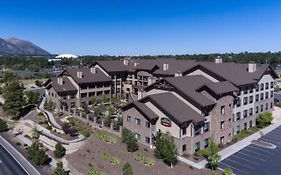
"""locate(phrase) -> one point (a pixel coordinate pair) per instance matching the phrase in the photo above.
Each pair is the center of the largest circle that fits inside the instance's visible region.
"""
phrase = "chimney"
(93, 70)
(79, 74)
(178, 74)
(135, 64)
(165, 66)
(60, 81)
(126, 61)
(218, 60)
(252, 67)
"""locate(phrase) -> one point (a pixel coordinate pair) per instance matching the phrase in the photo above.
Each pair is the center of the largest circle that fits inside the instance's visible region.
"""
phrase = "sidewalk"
(242, 143)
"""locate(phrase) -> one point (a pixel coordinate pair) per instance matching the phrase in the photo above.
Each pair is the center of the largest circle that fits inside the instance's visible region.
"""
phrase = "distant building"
(66, 56)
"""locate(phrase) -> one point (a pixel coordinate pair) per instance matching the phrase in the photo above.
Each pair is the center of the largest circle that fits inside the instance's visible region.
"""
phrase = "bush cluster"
(264, 119)
(147, 161)
(130, 140)
(108, 157)
(103, 136)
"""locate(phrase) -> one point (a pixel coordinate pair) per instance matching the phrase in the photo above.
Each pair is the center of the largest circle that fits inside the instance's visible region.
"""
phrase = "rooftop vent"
(126, 61)
(178, 74)
(218, 60)
(252, 67)
(93, 70)
(165, 66)
(79, 74)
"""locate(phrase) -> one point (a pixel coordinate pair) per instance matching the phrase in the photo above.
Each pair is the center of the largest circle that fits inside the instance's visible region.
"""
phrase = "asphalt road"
(8, 165)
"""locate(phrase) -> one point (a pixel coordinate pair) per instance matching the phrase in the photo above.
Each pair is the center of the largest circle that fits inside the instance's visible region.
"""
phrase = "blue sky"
(142, 27)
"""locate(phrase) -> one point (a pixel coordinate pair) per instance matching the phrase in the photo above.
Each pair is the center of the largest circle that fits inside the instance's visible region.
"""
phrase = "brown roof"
(219, 88)
(174, 108)
(87, 75)
(65, 87)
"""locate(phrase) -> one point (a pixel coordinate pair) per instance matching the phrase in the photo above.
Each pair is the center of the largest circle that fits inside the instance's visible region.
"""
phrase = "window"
(257, 97)
(261, 96)
(251, 89)
(271, 105)
(271, 84)
(197, 131)
(147, 140)
(238, 129)
(184, 147)
(245, 100)
(271, 93)
(137, 121)
(129, 118)
(261, 108)
(250, 124)
(257, 109)
(206, 143)
(266, 106)
(266, 86)
(250, 111)
(147, 124)
(266, 95)
(197, 146)
(251, 99)
(257, 88)
(184, 131)
(206, 127)
(238, 104)
(222, 140)
(262, 87)
(222, 124)
(245, 90)
(222, 109)
(245, 113)
(245, 126)
(238, 115)
(137, 136)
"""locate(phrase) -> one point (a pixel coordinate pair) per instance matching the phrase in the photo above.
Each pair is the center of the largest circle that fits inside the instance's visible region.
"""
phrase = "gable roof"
(66, 86)
(220, 88)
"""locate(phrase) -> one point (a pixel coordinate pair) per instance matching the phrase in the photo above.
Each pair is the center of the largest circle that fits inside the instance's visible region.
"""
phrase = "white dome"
(66, 56)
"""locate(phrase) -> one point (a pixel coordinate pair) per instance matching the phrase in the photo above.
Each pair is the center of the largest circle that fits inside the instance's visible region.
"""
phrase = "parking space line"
(246, 160)
(240, 164)
(260, 149)
(251, 156)
(234, 168)
(273, 137)
(255, 152)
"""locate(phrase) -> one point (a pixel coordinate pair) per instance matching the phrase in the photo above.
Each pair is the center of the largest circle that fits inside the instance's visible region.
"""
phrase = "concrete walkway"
(242, 143)
(49, 115)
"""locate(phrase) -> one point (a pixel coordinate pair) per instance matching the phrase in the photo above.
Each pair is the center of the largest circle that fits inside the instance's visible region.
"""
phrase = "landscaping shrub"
(60, 170)
(127, 169)
(106, 156)
(129, 139)
(202, 152)
(103, 136)
(264, 119)
(59, 151)
(37, 155)
(93, 171)
(49, 127)
(114, 160)
(227, 171)
(144, 160)
(3, 126)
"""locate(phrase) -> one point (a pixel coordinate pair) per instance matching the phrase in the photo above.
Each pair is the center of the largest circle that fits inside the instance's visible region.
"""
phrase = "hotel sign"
(166, 122)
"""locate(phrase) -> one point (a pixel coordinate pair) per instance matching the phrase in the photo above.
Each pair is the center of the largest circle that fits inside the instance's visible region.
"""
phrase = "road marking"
(240, 164)
(273, 137)
(251, 156)
(227, 165)
(246, 160)
(255, 152)
(268, 152)
(1, 161)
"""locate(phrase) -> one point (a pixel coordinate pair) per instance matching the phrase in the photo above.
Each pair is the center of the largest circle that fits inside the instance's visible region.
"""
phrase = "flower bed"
(108, 157)
(103, 136)
(144, 160)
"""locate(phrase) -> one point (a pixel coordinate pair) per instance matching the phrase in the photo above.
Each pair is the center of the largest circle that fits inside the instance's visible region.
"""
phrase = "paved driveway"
(257, 160)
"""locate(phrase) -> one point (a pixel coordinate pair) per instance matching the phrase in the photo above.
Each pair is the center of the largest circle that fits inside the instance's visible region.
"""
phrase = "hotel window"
(261, 96)
(271, 93)
(222, 109)
(206, 127)
(206, 143)
(245, 126)
(245, 100)
(147, 124)
(250, 124)
(197, 130)
(238, 116)
(261, 108)
(129, 118)
(137, 136)
(257, 109)
(238, 129)
(266, 85)
(245, 113)
(266, 95)
(271, 105)
(184, 147)
(222, 140)
(271, 84)
(251, 89)
(137, 121)
(250, 111)
(238, 102)
(197, 146)
(222, 124)
(245, 90)
(184, 131)
(262, 87)
(257, 88)
(266, 106)
(257, 97)
(147, 140)
(251, 99)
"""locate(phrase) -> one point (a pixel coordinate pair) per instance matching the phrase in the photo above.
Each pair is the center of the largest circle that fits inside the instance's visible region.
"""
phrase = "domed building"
(66, 56)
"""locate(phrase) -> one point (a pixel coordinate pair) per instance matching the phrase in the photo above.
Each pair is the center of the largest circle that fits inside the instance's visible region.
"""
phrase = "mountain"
(14, 46)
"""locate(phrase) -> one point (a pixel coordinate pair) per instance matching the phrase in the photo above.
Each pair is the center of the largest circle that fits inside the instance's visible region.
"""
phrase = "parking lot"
(257, 160)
